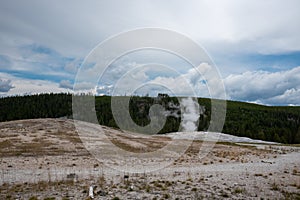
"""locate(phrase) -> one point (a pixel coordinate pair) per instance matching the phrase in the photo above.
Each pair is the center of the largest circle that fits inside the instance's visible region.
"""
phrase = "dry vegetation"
(45, 159)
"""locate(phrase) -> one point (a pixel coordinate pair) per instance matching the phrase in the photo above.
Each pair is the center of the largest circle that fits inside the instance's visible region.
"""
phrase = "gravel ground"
(46, 159)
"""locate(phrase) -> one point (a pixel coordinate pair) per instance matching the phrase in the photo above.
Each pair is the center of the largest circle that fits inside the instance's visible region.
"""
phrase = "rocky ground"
(46, 159)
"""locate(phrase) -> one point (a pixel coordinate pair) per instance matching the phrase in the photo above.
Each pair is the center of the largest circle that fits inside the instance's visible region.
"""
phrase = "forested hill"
(279, 124)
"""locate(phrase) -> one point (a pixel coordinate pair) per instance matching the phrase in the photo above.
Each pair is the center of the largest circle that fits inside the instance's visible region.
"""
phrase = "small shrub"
(224, 194)
(8, 196)
(148, 188)
(274, 187)
(156, 184)
(258, 175)
(295, 171)
(189, 179)
(166, 196)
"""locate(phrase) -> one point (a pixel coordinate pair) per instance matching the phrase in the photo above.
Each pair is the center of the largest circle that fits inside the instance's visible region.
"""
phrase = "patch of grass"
(5, 144)
(49, 198)
(238, 190)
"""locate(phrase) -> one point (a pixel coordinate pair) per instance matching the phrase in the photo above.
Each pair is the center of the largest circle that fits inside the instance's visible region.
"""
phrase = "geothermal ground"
(46, 159)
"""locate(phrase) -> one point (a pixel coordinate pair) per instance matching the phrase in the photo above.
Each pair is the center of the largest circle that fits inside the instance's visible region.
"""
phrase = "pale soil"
(45, 158)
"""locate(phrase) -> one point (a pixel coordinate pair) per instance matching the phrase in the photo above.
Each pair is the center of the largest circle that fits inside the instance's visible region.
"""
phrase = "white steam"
(190, 114)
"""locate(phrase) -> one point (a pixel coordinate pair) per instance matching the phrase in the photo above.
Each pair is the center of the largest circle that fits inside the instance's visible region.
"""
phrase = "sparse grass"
(5, 144)
(148, 144)
(49, 198)
(194, 183)
(238, 190)
(275, 186)
(101, 181)
(189, 179)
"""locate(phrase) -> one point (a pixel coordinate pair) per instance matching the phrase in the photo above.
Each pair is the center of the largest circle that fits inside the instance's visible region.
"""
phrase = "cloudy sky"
(254, 44)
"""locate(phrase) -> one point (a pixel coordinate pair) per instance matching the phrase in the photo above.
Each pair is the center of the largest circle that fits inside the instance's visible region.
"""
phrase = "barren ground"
(46, 159)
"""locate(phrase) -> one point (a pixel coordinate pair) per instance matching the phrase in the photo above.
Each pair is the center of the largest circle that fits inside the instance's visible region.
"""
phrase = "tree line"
(270, 123)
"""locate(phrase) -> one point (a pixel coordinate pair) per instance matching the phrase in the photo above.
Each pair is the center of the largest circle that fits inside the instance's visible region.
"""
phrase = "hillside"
(270, 123)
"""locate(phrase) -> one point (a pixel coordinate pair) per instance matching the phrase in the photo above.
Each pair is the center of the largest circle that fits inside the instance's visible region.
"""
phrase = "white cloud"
(265, 87)
(84, 85)
(200, 81)
(23, 87)
(26, 86)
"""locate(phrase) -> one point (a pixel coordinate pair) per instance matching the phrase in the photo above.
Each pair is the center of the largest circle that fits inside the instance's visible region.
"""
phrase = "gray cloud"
(73, 66)
(5, 85)
(289, 97)
(5, 62)
(66, 84)
(74, 29)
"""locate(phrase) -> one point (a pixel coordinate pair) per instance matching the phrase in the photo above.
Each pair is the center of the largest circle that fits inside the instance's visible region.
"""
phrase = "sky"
(254, 44)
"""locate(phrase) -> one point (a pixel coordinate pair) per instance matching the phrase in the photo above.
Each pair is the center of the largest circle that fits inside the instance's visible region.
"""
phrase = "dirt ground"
(46, 159)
